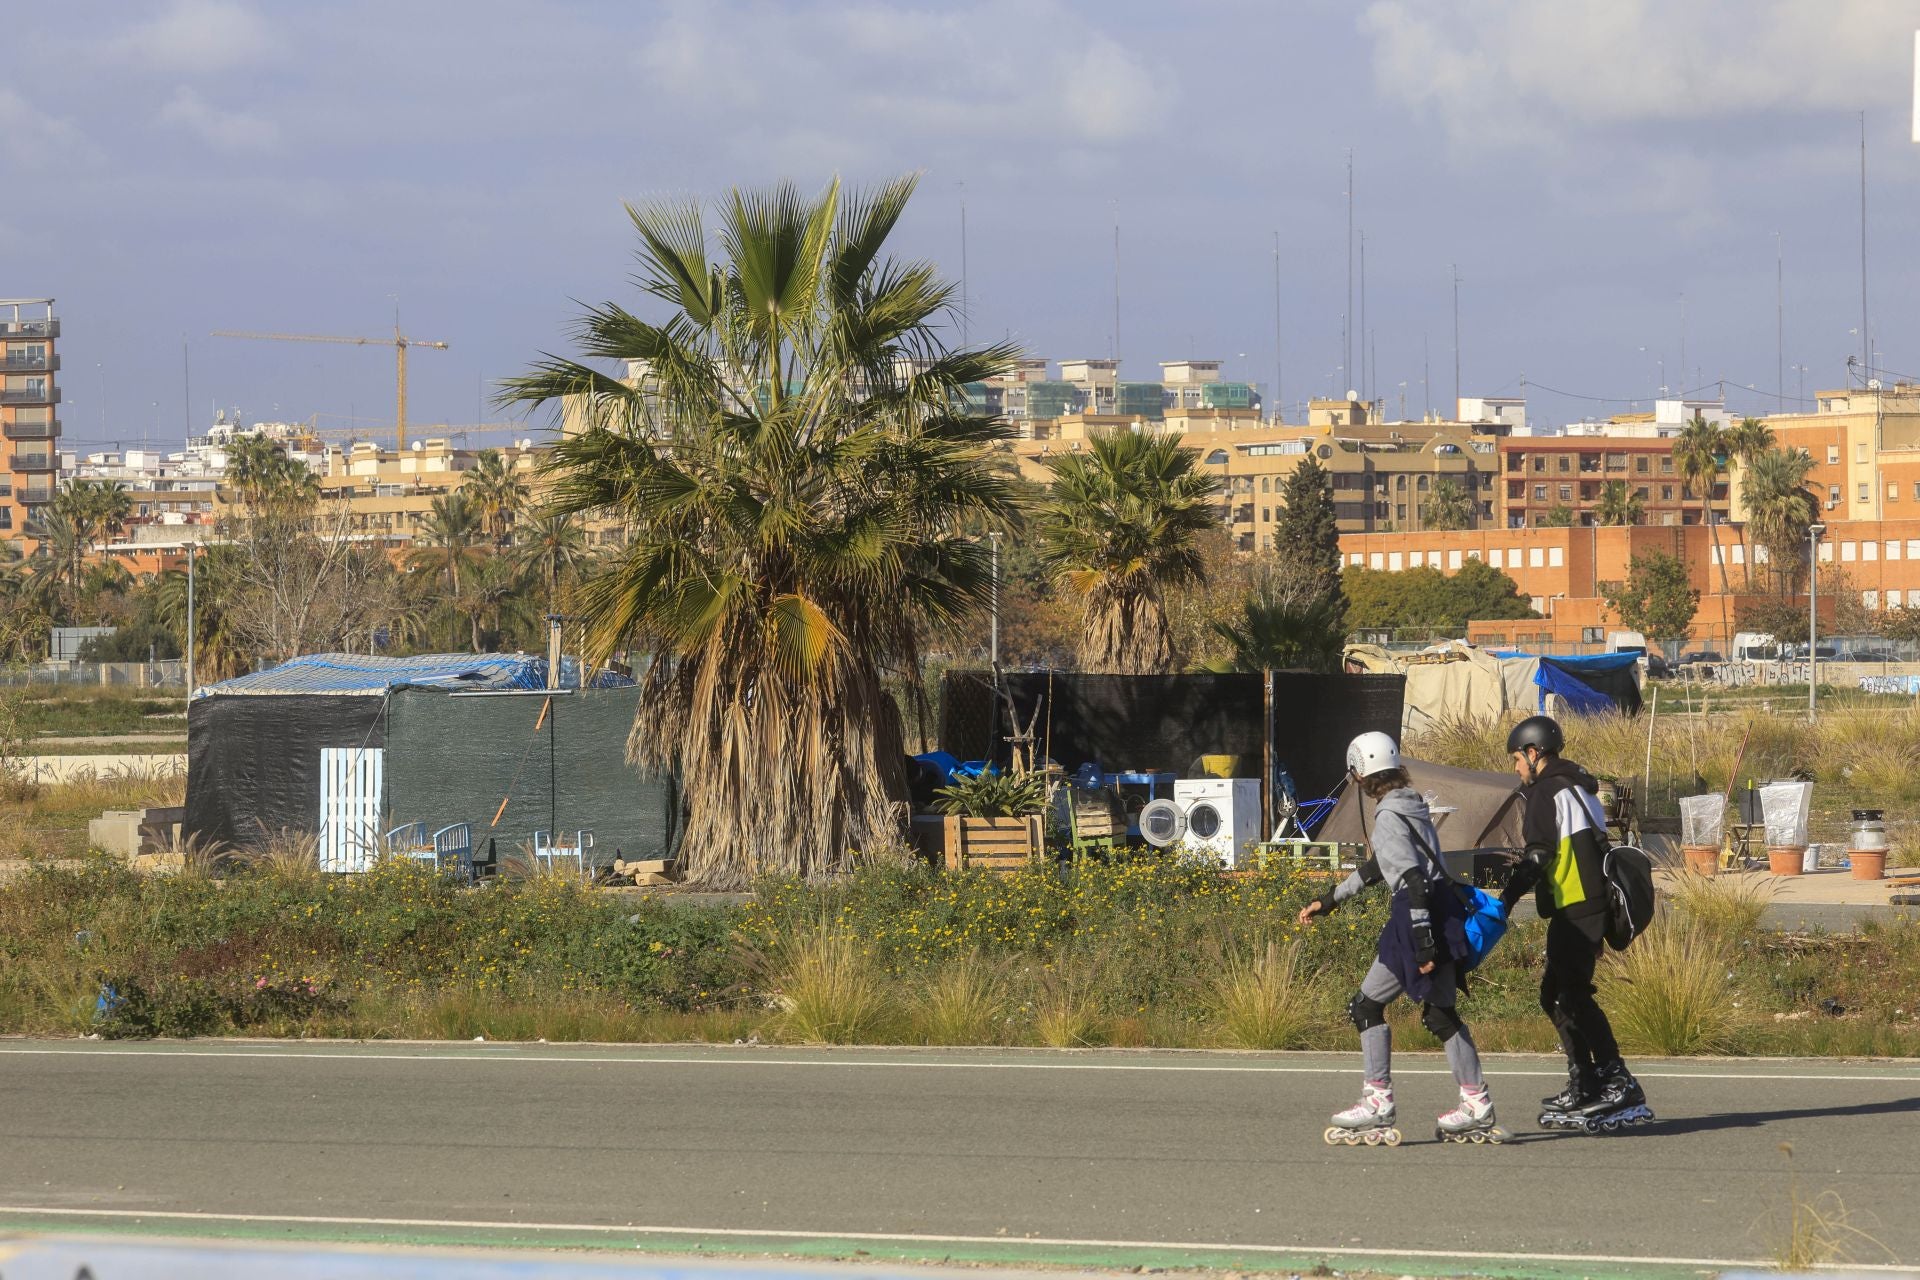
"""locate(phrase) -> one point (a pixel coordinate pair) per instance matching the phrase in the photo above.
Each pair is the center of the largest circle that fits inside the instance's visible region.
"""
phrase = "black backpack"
(1629, 876)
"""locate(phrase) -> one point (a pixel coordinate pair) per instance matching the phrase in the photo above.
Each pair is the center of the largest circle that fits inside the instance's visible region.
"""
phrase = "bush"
(1260, 1001)
(1670, 992)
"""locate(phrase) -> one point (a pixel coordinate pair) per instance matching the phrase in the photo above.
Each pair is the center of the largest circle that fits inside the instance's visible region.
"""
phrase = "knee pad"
(1442, 1020)
(1366, 1013)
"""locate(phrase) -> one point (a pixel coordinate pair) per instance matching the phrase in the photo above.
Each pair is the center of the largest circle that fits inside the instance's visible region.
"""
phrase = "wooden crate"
(993, 844)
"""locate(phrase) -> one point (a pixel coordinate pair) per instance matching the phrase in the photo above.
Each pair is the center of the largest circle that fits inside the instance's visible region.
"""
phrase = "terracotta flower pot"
(1701, 859)
(1868, 864)
(1786, 860)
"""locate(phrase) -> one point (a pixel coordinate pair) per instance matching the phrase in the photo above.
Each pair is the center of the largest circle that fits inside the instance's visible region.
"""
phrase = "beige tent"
(1452, 682)
(1486, 811)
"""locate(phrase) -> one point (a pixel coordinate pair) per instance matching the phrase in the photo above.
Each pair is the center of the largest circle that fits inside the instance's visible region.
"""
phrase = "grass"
(75, 710)
(50, 821)
(1728, 907)
(1135, 953)
(1810, 1232)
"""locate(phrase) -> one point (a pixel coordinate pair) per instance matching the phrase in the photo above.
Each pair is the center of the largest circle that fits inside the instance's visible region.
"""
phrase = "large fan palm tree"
(1780, 506)
(803, 525)
(1745, 441)
(1120, 527)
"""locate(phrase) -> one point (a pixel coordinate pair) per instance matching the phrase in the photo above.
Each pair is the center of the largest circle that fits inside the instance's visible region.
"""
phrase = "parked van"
(1755, 646)
(1626, 641)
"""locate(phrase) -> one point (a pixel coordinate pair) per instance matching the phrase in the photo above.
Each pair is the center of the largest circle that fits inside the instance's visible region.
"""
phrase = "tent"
(335, 741)
(1584, 684)
(1454, 681)
(1486, 813)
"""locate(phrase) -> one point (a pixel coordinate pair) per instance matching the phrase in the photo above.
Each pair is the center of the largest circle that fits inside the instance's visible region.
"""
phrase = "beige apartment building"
(1865, 445)
(29, 417)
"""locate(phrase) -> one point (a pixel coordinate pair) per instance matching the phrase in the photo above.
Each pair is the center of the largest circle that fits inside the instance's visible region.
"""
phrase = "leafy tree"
(1656, 599)
(1618, 504)
(787, 549)
(1448, 506)
(1275, 635)
(1559, 516)
(1427, 597)
(1307, 534)
(1121, 527)
(1782, 618)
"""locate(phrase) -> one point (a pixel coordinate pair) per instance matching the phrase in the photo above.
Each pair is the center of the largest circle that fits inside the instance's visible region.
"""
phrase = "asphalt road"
(1109, 1158)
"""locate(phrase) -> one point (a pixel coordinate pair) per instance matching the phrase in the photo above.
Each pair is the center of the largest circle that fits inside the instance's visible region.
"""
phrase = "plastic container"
(1787, 860)
(1869, 831)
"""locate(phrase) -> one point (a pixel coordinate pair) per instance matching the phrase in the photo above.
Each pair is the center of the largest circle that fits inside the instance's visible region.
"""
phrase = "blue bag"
(1486, 924)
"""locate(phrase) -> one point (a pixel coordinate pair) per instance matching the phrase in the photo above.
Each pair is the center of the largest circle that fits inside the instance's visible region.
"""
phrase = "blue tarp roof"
(354, 673)
(1559, 673)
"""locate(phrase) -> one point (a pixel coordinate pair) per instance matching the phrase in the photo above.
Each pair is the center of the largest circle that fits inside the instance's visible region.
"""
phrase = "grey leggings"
(1376, 1043)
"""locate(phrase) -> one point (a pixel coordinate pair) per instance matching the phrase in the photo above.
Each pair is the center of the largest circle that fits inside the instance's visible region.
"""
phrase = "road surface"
(1099, 1158)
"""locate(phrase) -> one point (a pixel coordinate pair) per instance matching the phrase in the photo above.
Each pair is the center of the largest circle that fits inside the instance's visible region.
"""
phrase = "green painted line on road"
(1013, 1251)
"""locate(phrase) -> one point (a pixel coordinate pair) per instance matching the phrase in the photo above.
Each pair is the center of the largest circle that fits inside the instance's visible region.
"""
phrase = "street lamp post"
(994, 633)
(1813, 618)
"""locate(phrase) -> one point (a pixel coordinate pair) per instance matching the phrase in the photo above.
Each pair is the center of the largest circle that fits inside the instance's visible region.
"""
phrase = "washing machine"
(1211, 817)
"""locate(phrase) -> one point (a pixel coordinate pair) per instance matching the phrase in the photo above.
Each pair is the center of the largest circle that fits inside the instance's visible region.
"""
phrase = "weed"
(1066, 1014)
(1728, 907)
(826, 990)
(1810, 1232)
(963, 1002)
(1669, 993)
(1260, 1001)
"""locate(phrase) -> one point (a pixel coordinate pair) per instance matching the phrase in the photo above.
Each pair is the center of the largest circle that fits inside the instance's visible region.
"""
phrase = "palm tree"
(498, 493)
(489, 597)
(217, 649)
(1618, 504)
(1780, 506)
(1272, 634)
(60, 532)
(1448, 506)
(550, 546)
(1120, 527)
(795, 476)
(1698, 453)
(448, 539)
(1745, 441)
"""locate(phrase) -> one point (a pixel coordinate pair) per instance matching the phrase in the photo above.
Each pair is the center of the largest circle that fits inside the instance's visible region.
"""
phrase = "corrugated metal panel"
(350, 780)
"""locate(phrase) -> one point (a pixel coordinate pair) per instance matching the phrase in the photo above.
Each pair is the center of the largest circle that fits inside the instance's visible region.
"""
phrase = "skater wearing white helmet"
(1423, 936)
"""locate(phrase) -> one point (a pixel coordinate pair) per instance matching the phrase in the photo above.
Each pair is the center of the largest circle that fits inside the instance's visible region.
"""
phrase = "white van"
(1755, 646)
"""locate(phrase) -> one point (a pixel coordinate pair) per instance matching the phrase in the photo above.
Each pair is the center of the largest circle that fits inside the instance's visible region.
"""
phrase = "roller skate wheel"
(1497, 1135)
(1373, 1137)
(1392, 1138)
(1334, 1135)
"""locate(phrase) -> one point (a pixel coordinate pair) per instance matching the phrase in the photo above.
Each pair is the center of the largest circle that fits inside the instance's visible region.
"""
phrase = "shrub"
(826, 990)
(1260, 1001)
(1670, 993)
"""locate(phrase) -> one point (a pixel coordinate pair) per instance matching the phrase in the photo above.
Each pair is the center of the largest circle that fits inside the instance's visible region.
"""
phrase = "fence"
(171, 674)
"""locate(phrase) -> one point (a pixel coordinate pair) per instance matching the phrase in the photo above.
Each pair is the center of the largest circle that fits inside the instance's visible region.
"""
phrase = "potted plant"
(992, 820)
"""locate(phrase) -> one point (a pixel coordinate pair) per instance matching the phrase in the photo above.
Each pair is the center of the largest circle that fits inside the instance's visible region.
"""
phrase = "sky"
(1614, 181)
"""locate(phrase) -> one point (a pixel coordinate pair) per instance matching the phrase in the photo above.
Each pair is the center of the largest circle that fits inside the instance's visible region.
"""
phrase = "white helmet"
(1372, 753)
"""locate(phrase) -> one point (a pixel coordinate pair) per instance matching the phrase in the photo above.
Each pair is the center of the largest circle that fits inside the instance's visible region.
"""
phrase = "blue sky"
(1597, 169)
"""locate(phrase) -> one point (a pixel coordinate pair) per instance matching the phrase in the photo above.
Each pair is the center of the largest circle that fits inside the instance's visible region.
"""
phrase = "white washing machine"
(1213, 817)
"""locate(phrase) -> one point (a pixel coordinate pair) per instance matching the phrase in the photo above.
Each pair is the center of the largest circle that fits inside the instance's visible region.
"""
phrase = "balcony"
(34, 495)
(29, 328)
(45, 395)
(31, 430)
(34, 460)
(30, 364)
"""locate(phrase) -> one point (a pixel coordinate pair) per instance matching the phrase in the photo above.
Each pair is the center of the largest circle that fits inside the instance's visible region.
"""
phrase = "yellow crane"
(398, 342)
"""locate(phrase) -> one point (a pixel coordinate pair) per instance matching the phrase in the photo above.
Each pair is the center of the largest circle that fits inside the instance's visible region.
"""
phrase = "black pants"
(1566, 993)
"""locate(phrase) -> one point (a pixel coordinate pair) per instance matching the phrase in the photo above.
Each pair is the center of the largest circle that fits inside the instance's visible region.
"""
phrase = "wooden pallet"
(993, 844)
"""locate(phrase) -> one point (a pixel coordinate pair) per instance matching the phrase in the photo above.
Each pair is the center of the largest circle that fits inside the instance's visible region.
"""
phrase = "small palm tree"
(797, 477)
(1448, 506)
(447, 541)
(1698, 453)
(552, 548)
(1618, 504)
(498, 493)
(218, 652)
(1273, 634)
(1120, 527)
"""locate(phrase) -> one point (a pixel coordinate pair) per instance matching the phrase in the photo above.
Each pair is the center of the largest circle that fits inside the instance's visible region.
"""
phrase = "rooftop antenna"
(1455, 268)
(1426, 377)
(964, 324)
(1279, 400)
(1779, 322)
(1866, 353)
(1366, 360)
(1115, 351)
(1346, 317)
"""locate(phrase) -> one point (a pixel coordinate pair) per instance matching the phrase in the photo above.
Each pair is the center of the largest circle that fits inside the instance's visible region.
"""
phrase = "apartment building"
(1865, 446)
(29, 417)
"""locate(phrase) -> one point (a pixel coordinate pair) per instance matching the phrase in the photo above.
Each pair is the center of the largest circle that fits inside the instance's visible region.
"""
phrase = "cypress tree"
(1307, 539)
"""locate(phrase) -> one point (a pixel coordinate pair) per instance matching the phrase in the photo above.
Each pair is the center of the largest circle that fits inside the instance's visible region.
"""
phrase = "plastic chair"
(547, 852)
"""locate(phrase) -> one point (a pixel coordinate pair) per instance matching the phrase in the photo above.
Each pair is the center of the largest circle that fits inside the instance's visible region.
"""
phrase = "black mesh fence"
(1166, 722)
(253, 762)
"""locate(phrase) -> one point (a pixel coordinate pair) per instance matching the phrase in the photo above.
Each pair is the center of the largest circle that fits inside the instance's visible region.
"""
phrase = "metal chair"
(550, 854)
(410, 841)
(453, 850)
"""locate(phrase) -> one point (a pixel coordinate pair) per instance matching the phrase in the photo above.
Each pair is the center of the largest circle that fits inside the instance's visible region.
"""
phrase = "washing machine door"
(1162, 823)
(1205, 822)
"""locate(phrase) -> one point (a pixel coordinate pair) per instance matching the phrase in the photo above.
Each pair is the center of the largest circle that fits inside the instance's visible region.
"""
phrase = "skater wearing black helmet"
(1565, 832)
(1423, 935)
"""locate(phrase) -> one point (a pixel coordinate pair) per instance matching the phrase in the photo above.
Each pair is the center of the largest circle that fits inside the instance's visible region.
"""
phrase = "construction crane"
(398, 342)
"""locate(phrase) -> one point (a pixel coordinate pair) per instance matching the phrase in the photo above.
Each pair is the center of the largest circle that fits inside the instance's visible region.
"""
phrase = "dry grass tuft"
(1670, 992)
(827, 991)
(1810, 1232)
(1067, 1013)
(293, 855)
(964, 1002)
(1259, 1001)
(1728, 907)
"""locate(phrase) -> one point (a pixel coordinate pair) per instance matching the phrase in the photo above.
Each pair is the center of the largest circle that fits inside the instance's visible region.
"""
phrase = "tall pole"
(963, 265)
(192, 547)
(1813, 617)
(1366, 368)
(1426, 377)
(1779, 322)
(994, 634)
(1346, 319)
(1115, 353)
(1279, 398)
(1866, 354)
(1456, 337)
(400, 377)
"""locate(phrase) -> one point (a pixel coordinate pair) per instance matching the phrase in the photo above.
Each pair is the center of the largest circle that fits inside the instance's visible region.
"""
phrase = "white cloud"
(32, 139)
(866, 78)
(227, 130)
(199, 36)
(1517, 72)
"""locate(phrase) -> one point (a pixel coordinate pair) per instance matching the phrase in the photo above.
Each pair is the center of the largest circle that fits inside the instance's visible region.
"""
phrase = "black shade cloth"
(1620, 684)
(453, 758)
(1164, 722)
(253, 763)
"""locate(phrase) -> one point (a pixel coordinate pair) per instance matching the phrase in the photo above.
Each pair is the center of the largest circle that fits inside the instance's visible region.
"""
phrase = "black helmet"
(1540, 732)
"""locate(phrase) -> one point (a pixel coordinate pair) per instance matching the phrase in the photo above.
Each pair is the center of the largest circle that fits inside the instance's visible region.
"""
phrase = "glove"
(1327, 904)
(1423, 949)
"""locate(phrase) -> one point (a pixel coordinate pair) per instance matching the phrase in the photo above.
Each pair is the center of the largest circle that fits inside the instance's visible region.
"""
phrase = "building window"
(1642, 494)
(1536, 558)
(1849, 551)
(1400, 512)
(1666, 465)
(1494, 558)
(1862, 487)
(1869, 551)
(1421, 483)
(1539, 493)
(1540, 462)
(1566, 463)
(1893, 492)
(1263, 484)
(1400, 483)
(1833, 455)
(1666, 493)
(1893, 550)
(1860, 451)
(1266, 514)
(1556, 558)
(1833, 493)
(1566, 493)
(1616, 462)
(1641, 464)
